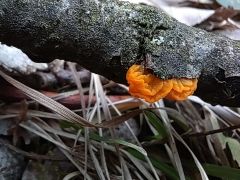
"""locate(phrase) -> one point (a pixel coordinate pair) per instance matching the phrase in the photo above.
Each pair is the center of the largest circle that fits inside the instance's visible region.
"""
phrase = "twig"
(211, 132)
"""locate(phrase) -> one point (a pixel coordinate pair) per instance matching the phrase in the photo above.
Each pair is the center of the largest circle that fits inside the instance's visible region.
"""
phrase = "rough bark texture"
(109, 36)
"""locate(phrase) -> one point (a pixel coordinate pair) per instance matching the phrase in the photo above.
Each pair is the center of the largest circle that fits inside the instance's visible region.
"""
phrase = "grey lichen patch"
(170, 56)
(158, 40)
(230, 59)
(111, 35)
(180, 51)
(166, 44)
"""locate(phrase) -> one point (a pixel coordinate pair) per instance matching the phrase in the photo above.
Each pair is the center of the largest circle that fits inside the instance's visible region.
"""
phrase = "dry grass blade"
(107, 114)
(202, 171)
(68, 155)
(30, 113)
(64, 112)
(102, 151)
(192, 111)
(174, 151)
(96, 163)
(139, 165)
(139, 177)
(126, 172)
(217, 139)
(58, 132)
(92, 153)
(93, 89)
(120, 119)
(136, 139)
(48, 138)
(42, 114)
(57, 141)
(91, 94)
(77, 80)
(71, 175)
(31, 155)
(7, 116)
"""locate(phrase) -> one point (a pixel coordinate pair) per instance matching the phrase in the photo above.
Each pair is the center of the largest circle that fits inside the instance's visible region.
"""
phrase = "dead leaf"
(235, 4)
(234, 147)
(187, 15)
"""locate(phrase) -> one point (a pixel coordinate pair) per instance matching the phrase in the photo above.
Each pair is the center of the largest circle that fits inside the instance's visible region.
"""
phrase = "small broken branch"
(107, 37)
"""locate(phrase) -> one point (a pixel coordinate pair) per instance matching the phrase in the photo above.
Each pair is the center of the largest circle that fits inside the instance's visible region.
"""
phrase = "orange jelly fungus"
(143, 84)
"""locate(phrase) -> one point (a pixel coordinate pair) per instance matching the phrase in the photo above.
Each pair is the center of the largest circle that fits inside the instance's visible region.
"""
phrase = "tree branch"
(109, 36)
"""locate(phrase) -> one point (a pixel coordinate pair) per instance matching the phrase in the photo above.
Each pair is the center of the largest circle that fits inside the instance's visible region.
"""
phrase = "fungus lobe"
(143, 84)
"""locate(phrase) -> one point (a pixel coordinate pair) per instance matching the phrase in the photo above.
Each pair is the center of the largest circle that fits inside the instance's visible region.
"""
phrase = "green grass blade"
(157, 124)
(133, 146)
(169, 171)
(223, 172)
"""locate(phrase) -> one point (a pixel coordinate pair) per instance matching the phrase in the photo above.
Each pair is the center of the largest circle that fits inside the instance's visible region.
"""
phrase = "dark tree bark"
(108, 36)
